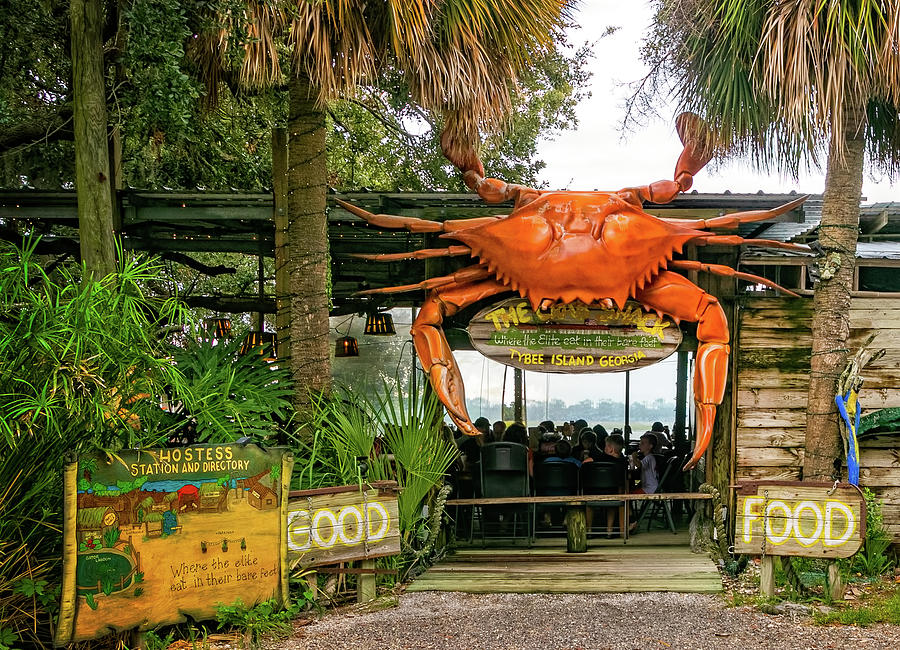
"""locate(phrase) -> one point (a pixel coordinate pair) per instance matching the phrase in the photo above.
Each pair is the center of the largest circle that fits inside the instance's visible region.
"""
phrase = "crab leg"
(491, 190)
(424, 254)
(432, 347)
(468, 274)
(735, 240)
(693, 133)
(678, 297)
(735, 219)
(413, 224)
(719, 269)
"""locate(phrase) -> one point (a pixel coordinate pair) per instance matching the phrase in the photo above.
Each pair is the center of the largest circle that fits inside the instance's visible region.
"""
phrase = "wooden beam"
(231, 304)
(872, 226)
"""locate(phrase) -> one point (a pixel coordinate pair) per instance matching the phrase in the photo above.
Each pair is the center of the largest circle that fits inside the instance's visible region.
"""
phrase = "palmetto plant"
(399, 437)
(788, 82)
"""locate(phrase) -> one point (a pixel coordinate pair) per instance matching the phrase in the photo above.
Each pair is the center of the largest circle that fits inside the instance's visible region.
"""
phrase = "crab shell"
(568, 246)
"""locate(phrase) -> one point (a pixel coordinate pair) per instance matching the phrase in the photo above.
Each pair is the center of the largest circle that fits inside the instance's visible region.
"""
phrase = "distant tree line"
(594, 411)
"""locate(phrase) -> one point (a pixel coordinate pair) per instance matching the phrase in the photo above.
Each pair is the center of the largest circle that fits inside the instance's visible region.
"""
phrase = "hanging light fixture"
(222, 328)
(263, 342)
(219, 328)
(346, 346)
(380, 324)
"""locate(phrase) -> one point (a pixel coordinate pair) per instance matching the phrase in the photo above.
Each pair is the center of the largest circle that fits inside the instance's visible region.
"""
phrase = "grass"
(880, 607)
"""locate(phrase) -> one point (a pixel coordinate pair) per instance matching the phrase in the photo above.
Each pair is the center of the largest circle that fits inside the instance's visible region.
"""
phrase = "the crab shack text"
(572, 337)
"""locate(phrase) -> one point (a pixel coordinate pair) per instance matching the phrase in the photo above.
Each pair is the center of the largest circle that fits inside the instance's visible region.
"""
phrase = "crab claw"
(695, 136)
(442, 381)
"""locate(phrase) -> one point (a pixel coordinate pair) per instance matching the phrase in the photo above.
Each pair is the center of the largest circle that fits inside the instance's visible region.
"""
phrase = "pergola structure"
(177, 224)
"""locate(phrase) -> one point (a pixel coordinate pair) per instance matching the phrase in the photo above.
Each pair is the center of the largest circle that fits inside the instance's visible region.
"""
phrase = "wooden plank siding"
(772, 364)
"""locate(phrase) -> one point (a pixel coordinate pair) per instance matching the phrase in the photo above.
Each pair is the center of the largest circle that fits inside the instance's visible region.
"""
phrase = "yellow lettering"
(750, 515)
(523, 313)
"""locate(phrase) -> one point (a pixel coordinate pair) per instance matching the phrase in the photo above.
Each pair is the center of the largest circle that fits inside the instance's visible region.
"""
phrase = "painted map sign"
(572, 338)
(155, 535)
(795, 518)
(341, 524)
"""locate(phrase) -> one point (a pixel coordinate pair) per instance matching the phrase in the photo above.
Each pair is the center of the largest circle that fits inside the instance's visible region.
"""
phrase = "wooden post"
(365, 589)
(65, 628)
(576, 529)
(287, 468)
(834, 586)
(767, 576)
(679, 430)
(518, 401)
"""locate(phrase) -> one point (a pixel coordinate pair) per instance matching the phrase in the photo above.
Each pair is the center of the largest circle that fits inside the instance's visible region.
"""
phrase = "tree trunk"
(95, 213)
(831, 303)
(307, 240)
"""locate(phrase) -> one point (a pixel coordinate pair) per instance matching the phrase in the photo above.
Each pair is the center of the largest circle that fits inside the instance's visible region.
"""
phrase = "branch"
(197, 265)
(403, 133)
(49, 128)
(231, 304)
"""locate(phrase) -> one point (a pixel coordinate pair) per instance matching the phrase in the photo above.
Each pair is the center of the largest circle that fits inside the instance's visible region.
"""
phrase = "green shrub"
(873, 559)
(398, 435)
(266, 619)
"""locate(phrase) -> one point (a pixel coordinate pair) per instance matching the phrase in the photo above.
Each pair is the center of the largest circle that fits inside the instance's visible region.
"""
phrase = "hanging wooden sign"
(156, 535)
(797, 518)
(572, 338)
(342, 524)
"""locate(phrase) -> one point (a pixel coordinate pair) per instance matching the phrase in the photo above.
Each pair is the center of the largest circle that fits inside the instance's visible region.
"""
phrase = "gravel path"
(537, 621)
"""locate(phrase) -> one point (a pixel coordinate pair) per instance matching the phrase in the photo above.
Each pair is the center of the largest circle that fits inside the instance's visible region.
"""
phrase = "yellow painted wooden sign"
(572, 338)
(795, 518)
(156, 535)
(341, 524)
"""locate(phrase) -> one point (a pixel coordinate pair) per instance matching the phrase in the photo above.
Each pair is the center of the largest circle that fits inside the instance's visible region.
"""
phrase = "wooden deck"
(651, 561)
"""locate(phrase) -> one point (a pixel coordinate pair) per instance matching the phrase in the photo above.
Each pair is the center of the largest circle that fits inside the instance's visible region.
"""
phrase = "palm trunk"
(831, 312)
(307, 241)
(95, 213)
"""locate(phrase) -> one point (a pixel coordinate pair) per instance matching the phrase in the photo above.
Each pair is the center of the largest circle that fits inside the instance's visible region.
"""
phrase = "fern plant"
(873, 559)
(229, 395)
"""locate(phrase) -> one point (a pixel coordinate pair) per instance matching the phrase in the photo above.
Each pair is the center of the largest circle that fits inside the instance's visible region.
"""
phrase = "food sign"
(155, 535)
(793, 518)
(345, 523)
(573, 338)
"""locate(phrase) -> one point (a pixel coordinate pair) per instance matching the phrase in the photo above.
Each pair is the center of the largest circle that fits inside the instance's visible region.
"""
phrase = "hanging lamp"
(346, 346)
(222, 328)
(263, 342)
(380, 323)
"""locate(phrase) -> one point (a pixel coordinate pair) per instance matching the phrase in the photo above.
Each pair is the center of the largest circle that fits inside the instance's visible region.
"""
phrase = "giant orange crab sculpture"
(588, 246)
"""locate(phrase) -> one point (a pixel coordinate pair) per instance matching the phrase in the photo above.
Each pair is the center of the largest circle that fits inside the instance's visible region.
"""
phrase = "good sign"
(341, 524)
(791, 518)
(573, 337)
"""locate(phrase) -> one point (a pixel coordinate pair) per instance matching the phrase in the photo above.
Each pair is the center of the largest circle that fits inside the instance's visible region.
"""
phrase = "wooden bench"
(576, 537)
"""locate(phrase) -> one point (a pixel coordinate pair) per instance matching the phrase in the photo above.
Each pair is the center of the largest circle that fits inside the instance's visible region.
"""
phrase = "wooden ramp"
(654, 561)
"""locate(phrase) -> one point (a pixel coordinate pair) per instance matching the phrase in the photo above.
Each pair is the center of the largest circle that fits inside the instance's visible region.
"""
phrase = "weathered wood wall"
(772, 376)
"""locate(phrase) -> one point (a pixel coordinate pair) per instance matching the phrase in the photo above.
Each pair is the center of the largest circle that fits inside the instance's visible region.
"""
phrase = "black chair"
(504, 473)
(554, 480)
(606, 478)
(652, 509)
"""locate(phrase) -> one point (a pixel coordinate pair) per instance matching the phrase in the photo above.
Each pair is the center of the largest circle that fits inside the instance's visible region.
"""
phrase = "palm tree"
(457, 57)
(786, 82)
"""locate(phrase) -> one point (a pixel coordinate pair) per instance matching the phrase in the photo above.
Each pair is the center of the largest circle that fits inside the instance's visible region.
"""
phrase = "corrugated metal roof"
(880, 250)
(789, 230)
